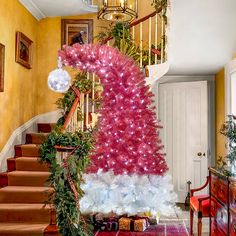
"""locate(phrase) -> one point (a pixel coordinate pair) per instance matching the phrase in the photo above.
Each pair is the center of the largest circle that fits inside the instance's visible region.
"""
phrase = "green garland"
(228, 129)
(161, 4)
(123, 40)
(69, 219)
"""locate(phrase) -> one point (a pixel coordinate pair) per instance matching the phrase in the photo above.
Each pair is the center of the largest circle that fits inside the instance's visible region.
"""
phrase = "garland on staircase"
(66, 176)
(228, 129)
(122, 39)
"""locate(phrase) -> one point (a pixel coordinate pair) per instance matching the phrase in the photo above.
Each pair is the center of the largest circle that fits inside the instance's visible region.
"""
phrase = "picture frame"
(2, 65)
(71, 28)
(23, 50)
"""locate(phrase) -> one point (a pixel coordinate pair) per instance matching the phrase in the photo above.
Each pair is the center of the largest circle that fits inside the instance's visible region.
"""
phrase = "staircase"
(24, 191)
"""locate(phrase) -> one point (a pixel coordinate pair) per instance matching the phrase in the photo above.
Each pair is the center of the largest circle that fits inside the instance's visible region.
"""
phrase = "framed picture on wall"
(2, 60)
(76, 31)
(23, 50)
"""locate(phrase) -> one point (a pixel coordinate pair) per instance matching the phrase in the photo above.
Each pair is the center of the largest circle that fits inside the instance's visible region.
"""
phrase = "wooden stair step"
(22, 229)
(30, 213)
(3, 179)
(27, 150)
(45, 127)
(11, 164)
(36, 138)
(30, 164)
(28, 178)
(25, 194)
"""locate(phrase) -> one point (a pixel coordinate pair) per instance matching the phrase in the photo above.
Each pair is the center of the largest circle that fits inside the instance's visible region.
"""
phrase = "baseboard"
(18, 135)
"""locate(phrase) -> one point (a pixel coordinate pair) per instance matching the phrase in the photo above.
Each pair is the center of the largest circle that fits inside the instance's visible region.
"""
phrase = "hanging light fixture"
(118, 10)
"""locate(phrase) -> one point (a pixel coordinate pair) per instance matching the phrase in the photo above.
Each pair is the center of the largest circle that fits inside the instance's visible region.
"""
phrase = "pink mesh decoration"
(127, 140)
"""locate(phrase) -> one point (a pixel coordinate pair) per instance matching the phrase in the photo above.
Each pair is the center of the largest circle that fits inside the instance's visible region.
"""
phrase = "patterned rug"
(169, 228)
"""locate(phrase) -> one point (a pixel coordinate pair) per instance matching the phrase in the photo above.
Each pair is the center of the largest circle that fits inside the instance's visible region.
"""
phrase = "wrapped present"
(125, 223)
(105, 223)
(140, 225)
(133, 223)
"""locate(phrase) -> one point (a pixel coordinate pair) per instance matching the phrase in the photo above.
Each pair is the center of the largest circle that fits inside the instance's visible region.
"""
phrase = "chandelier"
(118, 10)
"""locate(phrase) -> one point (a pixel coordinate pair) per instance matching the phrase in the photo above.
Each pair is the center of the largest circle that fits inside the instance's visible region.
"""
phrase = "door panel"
(184, 114)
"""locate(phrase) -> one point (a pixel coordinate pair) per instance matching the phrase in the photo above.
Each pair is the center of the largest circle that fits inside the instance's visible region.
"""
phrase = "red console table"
(223, 204)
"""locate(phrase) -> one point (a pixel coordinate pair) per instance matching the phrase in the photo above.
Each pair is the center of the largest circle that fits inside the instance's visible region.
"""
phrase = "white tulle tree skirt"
(128, 194)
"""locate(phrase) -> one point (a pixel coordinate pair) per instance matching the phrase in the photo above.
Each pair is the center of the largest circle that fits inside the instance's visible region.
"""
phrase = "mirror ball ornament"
(59, 80)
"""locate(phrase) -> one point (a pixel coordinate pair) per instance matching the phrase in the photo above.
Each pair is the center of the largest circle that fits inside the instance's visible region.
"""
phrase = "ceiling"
(202, 36)
(49, 8)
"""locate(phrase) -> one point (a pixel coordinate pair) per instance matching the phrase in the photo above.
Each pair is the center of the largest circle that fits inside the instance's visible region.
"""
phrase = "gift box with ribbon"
(134, 223)
(105, 224)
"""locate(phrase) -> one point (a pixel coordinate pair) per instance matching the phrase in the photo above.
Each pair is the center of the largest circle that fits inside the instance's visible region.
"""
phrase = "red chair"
(199, 204)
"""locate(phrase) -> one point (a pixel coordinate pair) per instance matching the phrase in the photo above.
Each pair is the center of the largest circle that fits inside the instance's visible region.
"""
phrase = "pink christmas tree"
(128, 169)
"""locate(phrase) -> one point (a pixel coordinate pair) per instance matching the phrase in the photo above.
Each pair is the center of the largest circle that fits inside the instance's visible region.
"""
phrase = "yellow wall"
(49, 42)
(220, 112)
(17, 102)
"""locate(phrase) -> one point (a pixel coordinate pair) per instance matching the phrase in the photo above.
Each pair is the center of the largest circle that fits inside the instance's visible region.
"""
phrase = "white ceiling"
(49, 8)
(202, 36)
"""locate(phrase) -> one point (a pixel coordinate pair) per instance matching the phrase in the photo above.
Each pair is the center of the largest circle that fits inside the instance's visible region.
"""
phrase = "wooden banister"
(71, 113)
(143, 19)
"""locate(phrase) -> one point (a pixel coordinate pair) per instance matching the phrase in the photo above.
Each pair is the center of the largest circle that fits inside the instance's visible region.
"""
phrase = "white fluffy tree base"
(128, 194)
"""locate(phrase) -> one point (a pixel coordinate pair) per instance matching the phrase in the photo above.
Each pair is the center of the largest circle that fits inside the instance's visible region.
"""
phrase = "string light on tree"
(128, 151)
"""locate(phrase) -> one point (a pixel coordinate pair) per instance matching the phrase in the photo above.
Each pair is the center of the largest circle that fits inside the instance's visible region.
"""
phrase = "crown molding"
(33, 9)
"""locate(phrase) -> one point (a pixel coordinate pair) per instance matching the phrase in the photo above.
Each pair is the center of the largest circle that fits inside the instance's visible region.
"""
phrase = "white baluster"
(141, 44)
(150, 41)
(82, 111)
(133, 32)
(93, 93)
(162, 38)
(156, 35)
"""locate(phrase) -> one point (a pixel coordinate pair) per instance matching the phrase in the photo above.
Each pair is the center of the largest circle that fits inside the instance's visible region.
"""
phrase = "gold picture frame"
(23, 50)
(70, 29)
(2, 62)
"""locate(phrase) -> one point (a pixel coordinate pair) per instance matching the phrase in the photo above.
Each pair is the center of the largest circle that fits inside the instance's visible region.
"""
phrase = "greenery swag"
(123, 40)
(69, 219)
(228, 129)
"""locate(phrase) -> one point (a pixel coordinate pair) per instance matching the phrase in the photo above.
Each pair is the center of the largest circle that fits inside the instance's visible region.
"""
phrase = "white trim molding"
(33, 9)
(18, 135)
(230, 68)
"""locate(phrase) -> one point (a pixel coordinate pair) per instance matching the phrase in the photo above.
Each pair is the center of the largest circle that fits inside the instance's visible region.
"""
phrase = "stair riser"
(35, 138)
(26, 152)
(11, 165)
(27, 181)
(25, 215)
(31, 166)
(3, 179)
(24, 197)
(45, 128)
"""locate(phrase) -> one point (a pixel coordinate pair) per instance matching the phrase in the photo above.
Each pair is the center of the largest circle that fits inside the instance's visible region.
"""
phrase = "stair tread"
(29, 173)
(28, 145)
(24, 206)
(22, 227)
(27, 159)
(25, 189)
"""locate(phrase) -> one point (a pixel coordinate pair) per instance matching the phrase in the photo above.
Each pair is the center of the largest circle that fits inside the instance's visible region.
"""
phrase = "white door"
(183, 112)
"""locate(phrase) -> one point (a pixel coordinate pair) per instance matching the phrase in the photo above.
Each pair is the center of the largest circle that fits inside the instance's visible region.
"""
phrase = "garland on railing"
(66, 176)
(123, 40)
(228, 129)
(69, 219)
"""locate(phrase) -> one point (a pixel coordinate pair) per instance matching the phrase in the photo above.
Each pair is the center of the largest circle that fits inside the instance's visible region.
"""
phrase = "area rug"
(170, 228)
